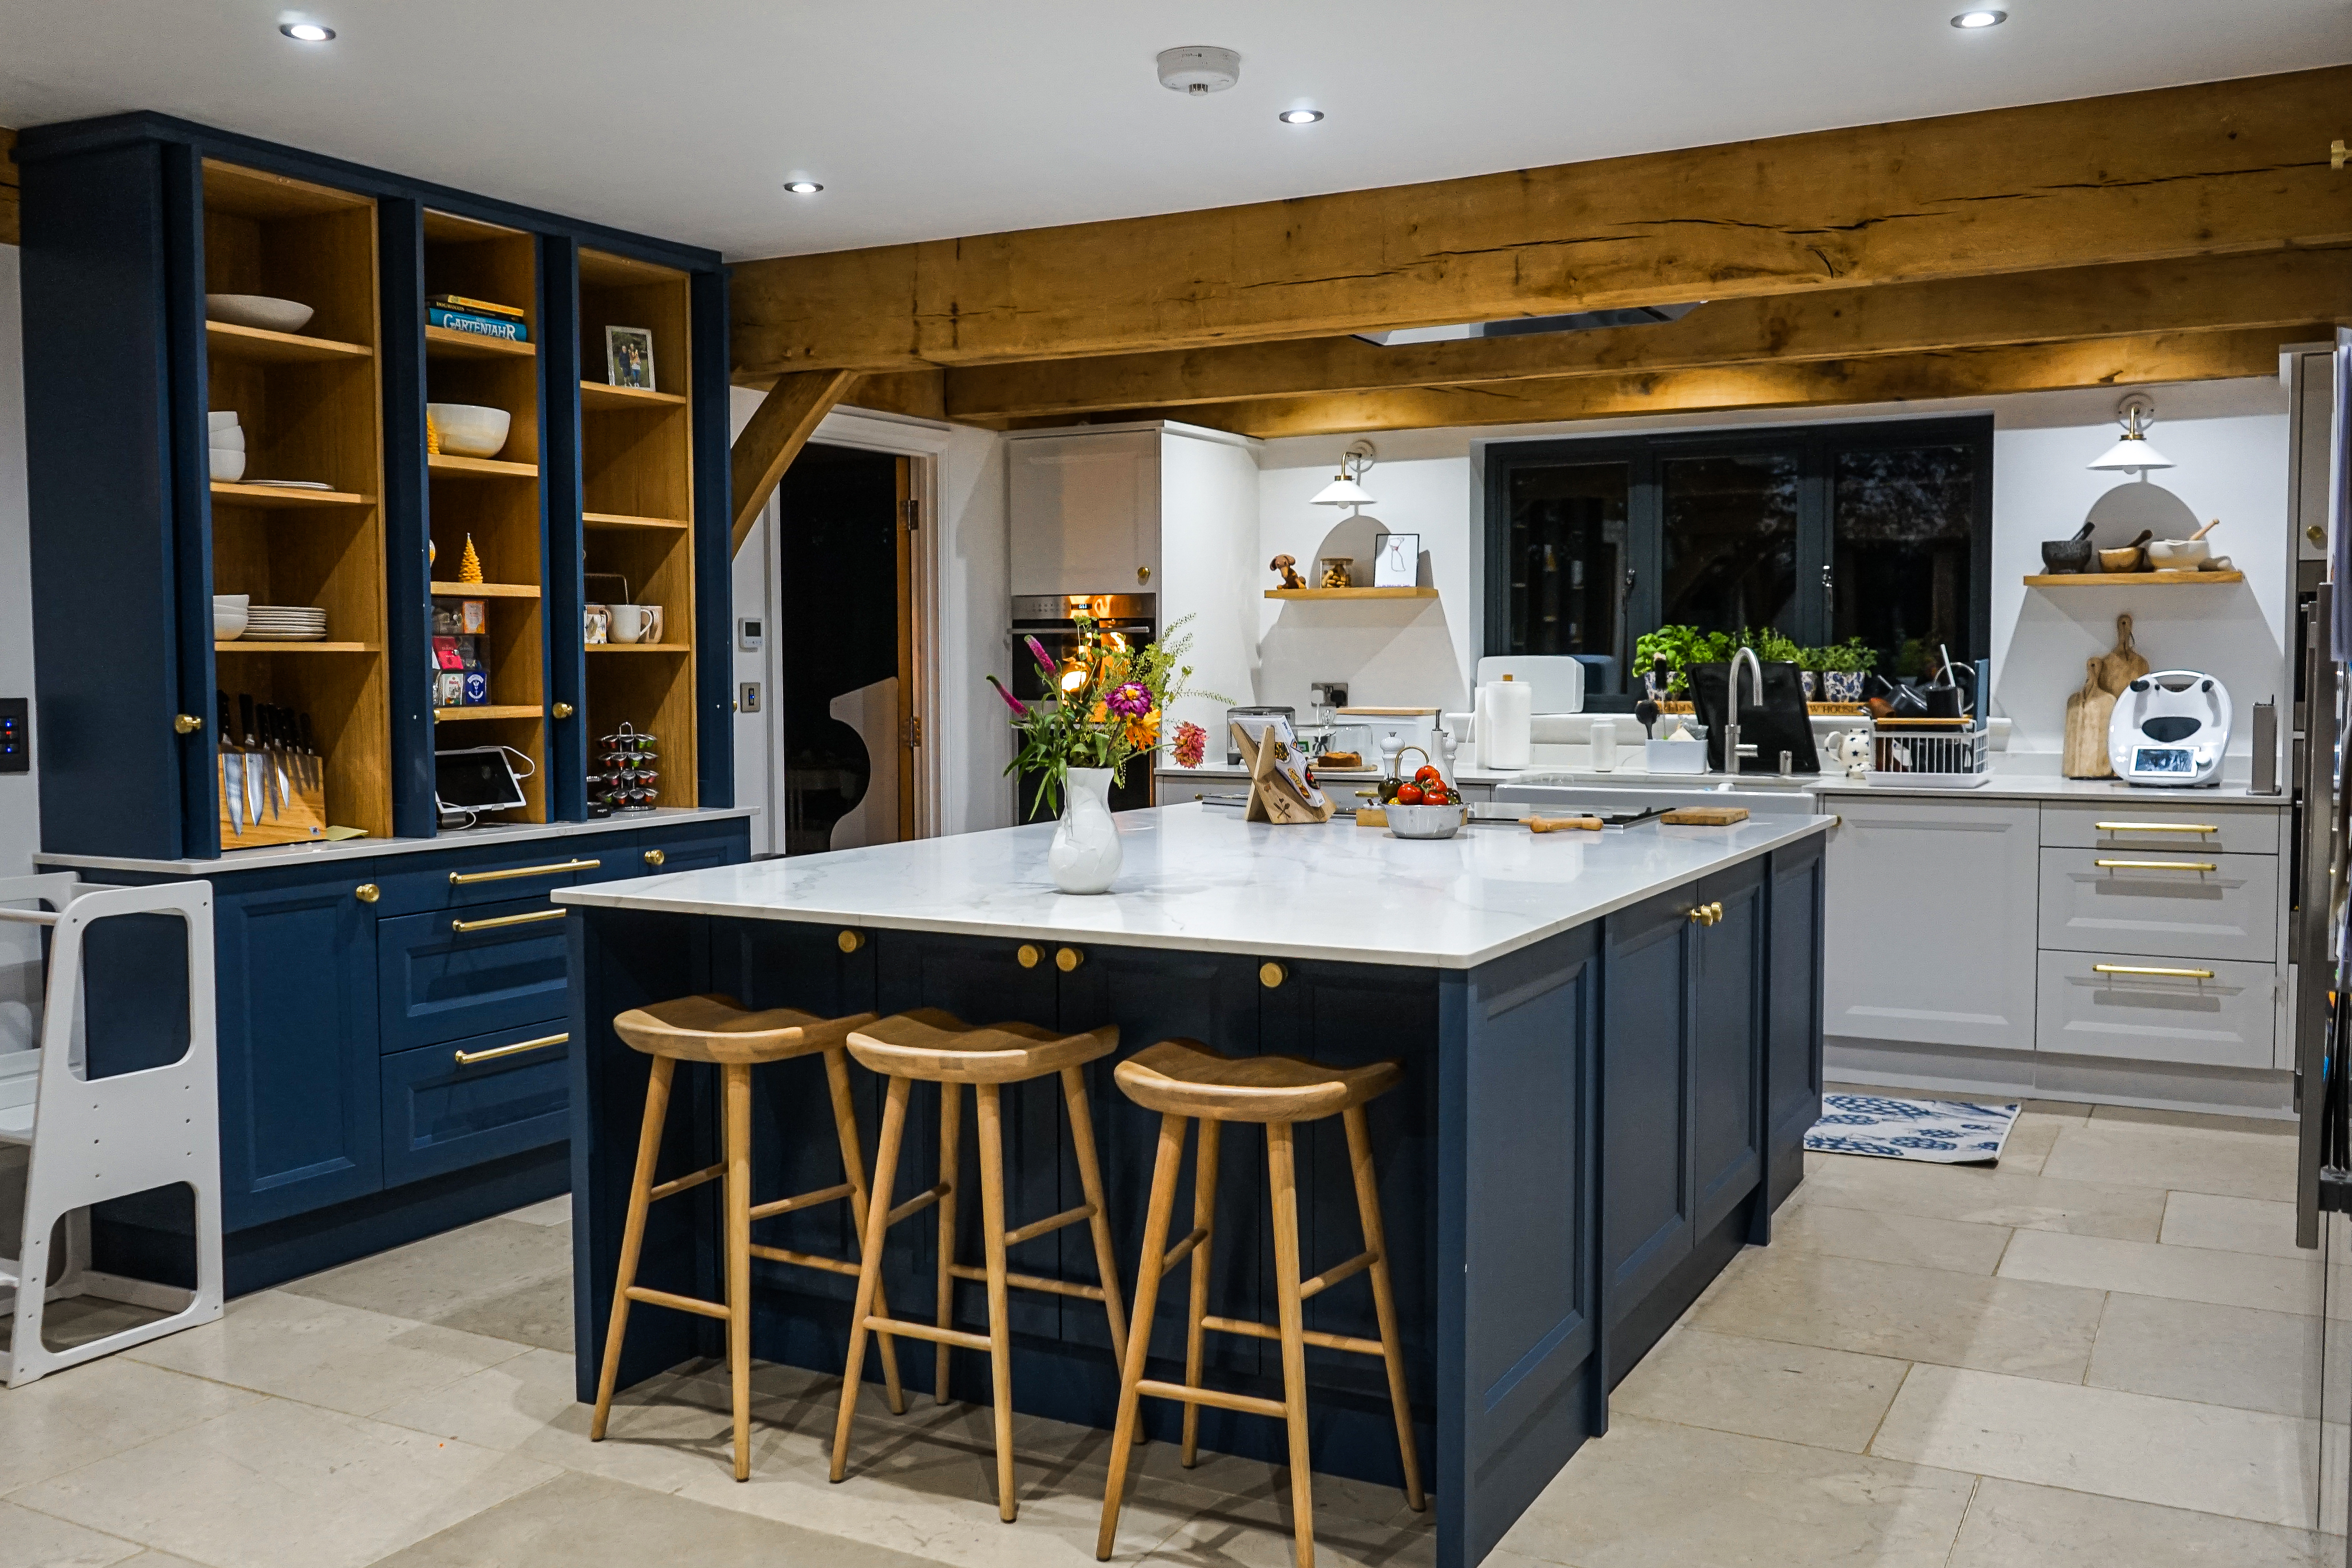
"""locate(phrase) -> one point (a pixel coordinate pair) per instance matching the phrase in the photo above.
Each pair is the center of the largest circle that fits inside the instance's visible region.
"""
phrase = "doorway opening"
(846, 617)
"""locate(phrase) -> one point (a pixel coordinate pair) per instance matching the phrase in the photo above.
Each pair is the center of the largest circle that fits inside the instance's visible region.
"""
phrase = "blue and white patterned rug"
(1941, 1131)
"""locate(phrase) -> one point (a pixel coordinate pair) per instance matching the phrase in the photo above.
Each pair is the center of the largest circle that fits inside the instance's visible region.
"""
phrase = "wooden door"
(910, 707)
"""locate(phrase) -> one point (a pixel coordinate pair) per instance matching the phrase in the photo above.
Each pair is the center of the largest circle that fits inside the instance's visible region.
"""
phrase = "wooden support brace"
(1183, 1250)
(917, 1204)
(671, 1189)
(787, 418)
(1248, 1404)
(1331, 1277)
(1045, 1226)
(805, 1260)
(653, 1298)
(932, 1332)
(832, 1194)
(1249, 1330)
(1030, 1282)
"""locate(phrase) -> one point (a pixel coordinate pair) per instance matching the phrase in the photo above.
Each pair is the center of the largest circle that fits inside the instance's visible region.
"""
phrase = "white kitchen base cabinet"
(1931, 921)
(2212, 1014)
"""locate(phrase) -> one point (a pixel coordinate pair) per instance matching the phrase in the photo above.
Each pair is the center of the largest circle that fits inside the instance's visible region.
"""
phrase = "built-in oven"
(1053, 620)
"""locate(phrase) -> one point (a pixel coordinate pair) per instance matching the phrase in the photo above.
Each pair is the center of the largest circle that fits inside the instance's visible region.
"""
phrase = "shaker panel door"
(1726, 1043)
(1086, 512)
(1647, 1204)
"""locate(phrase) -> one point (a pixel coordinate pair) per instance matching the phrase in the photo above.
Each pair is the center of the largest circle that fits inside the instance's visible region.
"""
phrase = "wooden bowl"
(2124, 560)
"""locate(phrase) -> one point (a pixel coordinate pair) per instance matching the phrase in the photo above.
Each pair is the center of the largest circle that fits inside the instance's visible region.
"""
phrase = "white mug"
(654, 623)
(629, 622)
(1604, 745)
(597, 624)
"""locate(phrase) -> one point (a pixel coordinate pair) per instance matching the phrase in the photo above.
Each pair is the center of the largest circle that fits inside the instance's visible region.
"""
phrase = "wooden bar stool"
(1184, 1079)
(716, 1029)
(938, 1047)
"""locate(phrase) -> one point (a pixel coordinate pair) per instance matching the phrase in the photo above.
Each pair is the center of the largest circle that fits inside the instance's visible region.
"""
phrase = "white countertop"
(2004, 784)
(2045, 786)
(283, 855)
(1204, 880)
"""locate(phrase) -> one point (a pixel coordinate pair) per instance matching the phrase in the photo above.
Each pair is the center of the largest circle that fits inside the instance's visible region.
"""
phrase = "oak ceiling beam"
(2263, 289)
(10, 224)
(785, 421)
(1890, 378)
(2186, 171)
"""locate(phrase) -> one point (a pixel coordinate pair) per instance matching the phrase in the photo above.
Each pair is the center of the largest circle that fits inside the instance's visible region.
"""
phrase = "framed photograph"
(629, 357)
(1396, 561)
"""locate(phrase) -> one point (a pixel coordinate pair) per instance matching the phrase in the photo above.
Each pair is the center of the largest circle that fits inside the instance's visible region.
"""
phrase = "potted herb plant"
(1843, 667)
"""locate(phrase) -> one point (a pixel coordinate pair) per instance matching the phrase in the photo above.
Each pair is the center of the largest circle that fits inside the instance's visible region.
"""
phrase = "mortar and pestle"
(2060, 556)
(2125, 558)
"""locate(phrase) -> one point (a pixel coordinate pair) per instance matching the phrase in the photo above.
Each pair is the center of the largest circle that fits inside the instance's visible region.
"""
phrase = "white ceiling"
(932, 117)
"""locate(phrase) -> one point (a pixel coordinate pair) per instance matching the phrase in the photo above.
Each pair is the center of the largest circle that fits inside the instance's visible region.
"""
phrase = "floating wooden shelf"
(224, 340)
(1351, 593)
(450, 344)
(480, 468)
(487, 711)
(241, 646)
(622, 520)
(484, 590)
(276, 497)
(597, 395)
(640, 648)
(2128, 579)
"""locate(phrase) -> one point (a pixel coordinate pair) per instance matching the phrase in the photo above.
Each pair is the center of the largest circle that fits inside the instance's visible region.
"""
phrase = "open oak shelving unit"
(310, 406)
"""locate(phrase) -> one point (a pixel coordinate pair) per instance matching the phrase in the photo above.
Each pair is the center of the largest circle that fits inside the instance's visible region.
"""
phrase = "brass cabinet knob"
(2317, 535)
(1717, 908)
(1143, 573)
(561, 710)
(1698, 915)
(1271, 974)
(186, 723)
(848, 941)
(367, 892)
(1030, 954)
(655, 857)
(1068, 959)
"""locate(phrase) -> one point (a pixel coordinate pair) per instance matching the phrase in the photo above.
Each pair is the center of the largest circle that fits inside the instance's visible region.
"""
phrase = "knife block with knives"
(273, 780)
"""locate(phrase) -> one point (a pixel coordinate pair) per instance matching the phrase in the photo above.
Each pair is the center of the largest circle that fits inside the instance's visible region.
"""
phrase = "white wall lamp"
(2134, 454)
(1344, 489)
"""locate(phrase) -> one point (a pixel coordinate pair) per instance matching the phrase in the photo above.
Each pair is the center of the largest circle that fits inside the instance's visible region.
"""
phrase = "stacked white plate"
(285, 623)
(230, 612)
(227, 438)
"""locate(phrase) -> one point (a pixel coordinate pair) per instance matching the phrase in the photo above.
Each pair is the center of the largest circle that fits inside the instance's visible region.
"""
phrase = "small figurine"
(1851, 749)
(1287, 565)
(469, 566)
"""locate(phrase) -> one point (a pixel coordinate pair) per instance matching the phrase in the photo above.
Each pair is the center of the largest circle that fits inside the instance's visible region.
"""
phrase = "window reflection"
(1567, 558)
(1900, 522)
(1730, 539)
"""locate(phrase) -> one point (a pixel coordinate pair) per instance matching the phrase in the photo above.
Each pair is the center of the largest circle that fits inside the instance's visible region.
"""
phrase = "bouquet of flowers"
(1106, 707)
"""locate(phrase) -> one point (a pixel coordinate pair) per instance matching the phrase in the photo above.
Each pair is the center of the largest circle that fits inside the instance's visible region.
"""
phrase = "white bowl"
(271, 315)
(228, 464)
(228, 627)
(468, 429)
(2178, 555)
(229, 441)
(220, 420)
(1426, 821)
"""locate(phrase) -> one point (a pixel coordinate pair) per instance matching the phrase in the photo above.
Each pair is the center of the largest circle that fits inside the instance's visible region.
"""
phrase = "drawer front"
(438, 982)
(490, 874)
(2180, 902)
(2225, 1020)
(2166, 826)
(691, 846)
(442, 1113)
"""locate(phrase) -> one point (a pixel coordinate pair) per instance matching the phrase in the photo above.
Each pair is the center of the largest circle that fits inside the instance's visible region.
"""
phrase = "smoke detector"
(1199, 69)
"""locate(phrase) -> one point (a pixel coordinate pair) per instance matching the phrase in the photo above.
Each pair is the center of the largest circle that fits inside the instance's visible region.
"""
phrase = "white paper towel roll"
(1505, 723)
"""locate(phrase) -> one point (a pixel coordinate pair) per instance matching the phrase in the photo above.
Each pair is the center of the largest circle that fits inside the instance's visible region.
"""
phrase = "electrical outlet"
(1329, 693)
(749, 702)
(16, 735)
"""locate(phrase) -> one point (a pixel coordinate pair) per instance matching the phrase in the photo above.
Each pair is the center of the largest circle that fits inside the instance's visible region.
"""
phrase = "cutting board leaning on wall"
(2123, 665)
(2087, 715)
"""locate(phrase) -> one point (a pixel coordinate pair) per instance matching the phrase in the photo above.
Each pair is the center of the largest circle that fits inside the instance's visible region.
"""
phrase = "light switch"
(749, 702)
(16, 735)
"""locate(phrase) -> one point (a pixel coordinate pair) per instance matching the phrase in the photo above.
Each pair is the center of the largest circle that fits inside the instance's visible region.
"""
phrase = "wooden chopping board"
(2088, 712)
(2121, 667)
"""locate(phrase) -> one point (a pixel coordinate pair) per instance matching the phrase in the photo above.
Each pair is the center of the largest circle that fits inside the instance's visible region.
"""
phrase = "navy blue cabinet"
(449, 1105)
(1647, 1207)
(449, 974)
(1793, 1014)
(1726, 1028)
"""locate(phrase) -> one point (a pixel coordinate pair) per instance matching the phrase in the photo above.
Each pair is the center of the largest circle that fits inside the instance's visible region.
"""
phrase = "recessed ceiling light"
(1301, 116)
(306, 32)
(1971, 20)
(802, 187)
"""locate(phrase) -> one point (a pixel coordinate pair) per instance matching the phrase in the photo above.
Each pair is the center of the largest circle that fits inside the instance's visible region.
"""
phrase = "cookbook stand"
(1275, 796)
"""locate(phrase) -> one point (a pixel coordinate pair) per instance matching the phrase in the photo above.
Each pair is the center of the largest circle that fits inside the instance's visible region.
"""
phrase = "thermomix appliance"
(2170, 729)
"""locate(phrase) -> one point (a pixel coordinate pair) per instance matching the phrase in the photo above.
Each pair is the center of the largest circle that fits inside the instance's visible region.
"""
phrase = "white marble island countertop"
(1200, 879)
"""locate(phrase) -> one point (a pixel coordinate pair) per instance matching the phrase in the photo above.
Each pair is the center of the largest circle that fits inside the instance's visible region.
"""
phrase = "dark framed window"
(1880, 529)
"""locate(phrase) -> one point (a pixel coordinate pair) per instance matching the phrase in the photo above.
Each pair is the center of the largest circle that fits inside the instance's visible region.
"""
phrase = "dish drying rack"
(1935, 753)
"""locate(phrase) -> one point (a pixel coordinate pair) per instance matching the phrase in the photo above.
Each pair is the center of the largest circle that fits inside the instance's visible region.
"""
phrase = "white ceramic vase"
(1085, 856)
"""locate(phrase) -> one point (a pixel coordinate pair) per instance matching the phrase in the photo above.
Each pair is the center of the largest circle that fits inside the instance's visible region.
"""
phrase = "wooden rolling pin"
(1562, 824)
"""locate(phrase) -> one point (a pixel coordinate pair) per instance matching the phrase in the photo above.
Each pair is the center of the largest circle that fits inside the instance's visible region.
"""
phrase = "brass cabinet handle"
(2144, 968)
(186, 723)
(531, 919)
(2155, 828)
(1143, 573)
(468, 1059)
(1707, 914)
(562, 710)
(655, 857)
(1717, 908)
(467, 879)
(1272, 974)
(2157, 865)
(367, 892)
(1068, 959)
(850, 941)
(2317, 535)
(1029, 954)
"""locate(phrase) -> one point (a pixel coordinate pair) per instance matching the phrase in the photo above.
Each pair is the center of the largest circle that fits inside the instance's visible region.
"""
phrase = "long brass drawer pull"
(531, 919)
(2144, 968)
(467, 879)
(468, 1059)
(2157, 865)
(2155, 828)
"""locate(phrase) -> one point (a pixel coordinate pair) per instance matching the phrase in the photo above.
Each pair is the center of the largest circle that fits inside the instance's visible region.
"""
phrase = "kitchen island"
(1612, 1044)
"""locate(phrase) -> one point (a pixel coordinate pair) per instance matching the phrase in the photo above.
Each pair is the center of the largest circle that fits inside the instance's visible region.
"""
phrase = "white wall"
(1208, 562)
(2227, 438)
(20, 816)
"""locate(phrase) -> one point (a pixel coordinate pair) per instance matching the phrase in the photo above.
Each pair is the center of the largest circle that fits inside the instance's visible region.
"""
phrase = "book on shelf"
(466, 302)
(480, 326)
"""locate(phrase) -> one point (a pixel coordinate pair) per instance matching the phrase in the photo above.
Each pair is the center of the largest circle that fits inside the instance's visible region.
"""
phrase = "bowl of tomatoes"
(1423, 806)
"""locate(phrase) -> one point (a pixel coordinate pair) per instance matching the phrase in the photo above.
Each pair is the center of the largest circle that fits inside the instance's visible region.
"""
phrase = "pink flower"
(1133, 701)
(1019, 708)
(1191, 744)
(1045, 660)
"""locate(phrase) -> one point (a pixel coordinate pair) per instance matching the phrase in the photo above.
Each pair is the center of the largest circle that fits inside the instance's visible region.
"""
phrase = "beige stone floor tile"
(533, 1312)
(501, 1406)
(1985, 1195)
(29, 1539)
(2157, 1154)
(2215, 1355)
(322, 1352)
(157, 1560)
(589, 1519)
(429, 1279)
(85, 1413)
(2230, 1224)
(2242, 1463)
(2018, 1326)
(1255, 1532)
(2150, 1269)
(556, 1210)
(2012, 1525)
(1761, 1388)
(78, 1320)
(1655, 1496)
(1956, 1245)
(2199, 1121)
(282, 1485)
(2030, 1141)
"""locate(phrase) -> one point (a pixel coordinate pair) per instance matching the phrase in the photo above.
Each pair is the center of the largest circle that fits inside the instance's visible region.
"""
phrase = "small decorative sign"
(1396, 563)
